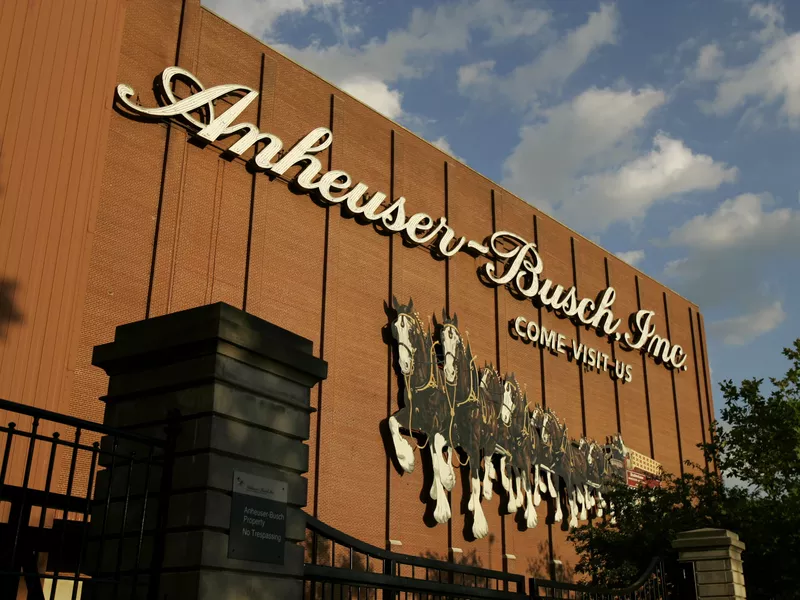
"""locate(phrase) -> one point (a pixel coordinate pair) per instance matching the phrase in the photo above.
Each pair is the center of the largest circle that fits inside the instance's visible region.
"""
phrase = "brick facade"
(179, 226)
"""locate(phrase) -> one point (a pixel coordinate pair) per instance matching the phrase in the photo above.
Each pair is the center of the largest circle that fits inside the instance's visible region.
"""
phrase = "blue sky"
(668, 132)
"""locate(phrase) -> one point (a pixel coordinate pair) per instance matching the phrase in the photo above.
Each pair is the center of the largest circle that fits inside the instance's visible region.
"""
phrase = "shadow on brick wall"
(9, 313)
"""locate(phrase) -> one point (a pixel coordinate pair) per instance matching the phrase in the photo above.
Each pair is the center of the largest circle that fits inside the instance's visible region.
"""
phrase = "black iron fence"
(341, 567)
(81, 507)
(660, 581)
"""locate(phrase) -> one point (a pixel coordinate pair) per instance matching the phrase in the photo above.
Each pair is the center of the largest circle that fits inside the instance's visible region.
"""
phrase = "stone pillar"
(240, 388)
(717, 558)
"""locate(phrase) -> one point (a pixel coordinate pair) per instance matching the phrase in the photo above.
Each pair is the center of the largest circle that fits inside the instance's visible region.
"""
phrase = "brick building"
(106, 219)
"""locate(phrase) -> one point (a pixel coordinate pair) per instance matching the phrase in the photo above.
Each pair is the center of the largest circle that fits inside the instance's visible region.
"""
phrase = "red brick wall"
(172, 232)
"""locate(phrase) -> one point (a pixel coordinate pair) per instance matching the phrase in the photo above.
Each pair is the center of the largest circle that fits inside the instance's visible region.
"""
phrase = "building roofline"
(448, 156)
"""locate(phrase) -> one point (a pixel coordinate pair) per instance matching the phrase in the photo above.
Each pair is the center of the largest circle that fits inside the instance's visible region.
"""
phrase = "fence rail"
(339, 566)
(657, 582)
(80, 506)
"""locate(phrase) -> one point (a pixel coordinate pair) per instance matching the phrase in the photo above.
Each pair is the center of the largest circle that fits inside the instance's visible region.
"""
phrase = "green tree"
(754, 490)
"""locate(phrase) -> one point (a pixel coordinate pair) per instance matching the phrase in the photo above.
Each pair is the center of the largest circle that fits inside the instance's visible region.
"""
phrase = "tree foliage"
(751, 487)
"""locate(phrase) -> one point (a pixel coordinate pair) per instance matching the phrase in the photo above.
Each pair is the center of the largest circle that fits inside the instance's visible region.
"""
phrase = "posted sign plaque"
(258, 519)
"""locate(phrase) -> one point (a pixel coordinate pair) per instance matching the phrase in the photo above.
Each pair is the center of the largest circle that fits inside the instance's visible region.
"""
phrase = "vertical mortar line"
(447, 310)
(578, 334)
(157, 229)
(539, 311)
(550, 550)
(646, 383)
(503, 537)
(697, 381)
(325, 257)
(180, 33)
(706, 379)
(496, 290)
(704, 355)
(253, 191)
(674, 388)
(614, 358)
(447, 259)
(389, 369)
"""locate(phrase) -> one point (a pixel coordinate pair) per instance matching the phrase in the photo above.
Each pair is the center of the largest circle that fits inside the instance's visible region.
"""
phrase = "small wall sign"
(258, 518)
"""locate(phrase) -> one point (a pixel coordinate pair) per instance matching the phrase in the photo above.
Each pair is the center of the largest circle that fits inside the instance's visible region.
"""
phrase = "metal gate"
(340, 567)
(80, 506)
(661, 580)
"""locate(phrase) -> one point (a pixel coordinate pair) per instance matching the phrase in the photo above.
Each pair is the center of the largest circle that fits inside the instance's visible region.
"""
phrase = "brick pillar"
(717, 558)
(241, 389)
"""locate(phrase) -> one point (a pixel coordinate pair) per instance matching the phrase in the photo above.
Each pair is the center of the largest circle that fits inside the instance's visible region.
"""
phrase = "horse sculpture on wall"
(453, 406)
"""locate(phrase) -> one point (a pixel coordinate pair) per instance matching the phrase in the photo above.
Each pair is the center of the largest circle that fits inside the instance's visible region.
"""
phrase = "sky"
(667, 132)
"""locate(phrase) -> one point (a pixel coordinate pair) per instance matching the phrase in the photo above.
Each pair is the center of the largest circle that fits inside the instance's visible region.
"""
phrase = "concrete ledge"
(209, 509)
(208, 330)
(707, 538)
(711, 590)
(209, 470)
(719, 577)
(209, 549)
(716, 555)
(220, 396)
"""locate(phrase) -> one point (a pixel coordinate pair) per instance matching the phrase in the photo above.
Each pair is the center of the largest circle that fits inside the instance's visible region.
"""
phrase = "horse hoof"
(441, 515)
(405, 456)
(487, 493)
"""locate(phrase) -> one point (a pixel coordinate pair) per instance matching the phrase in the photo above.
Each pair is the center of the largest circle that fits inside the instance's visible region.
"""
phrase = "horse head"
(597, 462)
(507, 408)
(403, 330)
(617, 455)
(450, 339)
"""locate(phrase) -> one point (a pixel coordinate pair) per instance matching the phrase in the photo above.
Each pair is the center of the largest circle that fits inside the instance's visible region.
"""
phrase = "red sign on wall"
(637, 478)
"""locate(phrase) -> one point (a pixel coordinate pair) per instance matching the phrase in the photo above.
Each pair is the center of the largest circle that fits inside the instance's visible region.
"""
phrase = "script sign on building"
(511, 260)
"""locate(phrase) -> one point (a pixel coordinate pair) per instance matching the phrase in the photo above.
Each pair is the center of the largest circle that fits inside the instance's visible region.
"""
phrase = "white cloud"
(625, 195)
(632, 257)
(739, 221)
(731, 253)
(772, 77)
(258, 17)
(370, 67)
(551, 67)
(478, 73)
(589, 132)
(771, 17)
(375, 94)
(506, 23)
(738, 331)
(579, 161)
(442, 144)
(709, 63)
(408, 52)
(769, 79)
